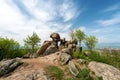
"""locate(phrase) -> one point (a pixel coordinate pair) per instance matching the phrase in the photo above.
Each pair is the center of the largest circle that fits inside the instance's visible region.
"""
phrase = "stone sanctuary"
(53, 54)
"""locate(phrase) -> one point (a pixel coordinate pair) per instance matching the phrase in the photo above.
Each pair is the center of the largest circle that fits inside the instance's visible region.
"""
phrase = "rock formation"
(105, 71)
(56, 55)
(49, 47)
(7, 66)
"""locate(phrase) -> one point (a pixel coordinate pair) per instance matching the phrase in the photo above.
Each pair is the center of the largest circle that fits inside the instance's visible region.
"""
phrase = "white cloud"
(112, 8)
(68, 11)
(115, 19)
(83, 28)
(14, 24)
(8, 14)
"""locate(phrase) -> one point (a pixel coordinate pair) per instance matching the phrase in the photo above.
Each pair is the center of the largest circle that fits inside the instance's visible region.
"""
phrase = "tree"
(79, 35)
(90, 42)
(9, 48)
(32, 41)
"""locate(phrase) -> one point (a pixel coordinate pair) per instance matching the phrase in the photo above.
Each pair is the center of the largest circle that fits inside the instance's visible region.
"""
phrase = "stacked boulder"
(65, 49)
(49, 47)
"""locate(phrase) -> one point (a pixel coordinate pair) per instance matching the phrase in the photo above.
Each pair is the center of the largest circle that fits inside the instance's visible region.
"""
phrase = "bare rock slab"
(107, 72)
(7, 66)
(74, 71)
(27, 75)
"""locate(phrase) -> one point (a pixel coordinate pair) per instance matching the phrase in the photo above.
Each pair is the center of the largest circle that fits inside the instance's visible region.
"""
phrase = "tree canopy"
(32, 41)
(90, 42)
(9, 48)
(80, 35)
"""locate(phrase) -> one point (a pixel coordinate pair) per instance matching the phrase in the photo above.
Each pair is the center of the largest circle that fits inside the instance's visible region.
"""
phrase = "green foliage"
(90, 42)
(9, 48)
(110, 59)
(74, 78)
(31, 42)
(55, 72)
(79, 35)
(95, 56)
(78, 54)
(100, 78)
(83, 73)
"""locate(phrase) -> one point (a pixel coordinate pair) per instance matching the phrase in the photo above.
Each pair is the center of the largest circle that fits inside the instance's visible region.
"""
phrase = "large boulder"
(64, 58)
(68, 50)
(27, 75)
(105, 71)
(73, 69)
(43, 48)
(7, 66)
(55, 36)
(51, 49)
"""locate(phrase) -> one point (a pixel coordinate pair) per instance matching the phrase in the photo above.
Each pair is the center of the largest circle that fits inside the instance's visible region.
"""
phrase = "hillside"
(37, 69)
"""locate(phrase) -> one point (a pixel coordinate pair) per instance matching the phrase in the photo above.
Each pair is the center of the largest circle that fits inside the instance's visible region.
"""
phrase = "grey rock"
(74, 71)
(28, 75)
(7, 66)
(64, 58)
(31, 55)
(82, 61)
(107, 72)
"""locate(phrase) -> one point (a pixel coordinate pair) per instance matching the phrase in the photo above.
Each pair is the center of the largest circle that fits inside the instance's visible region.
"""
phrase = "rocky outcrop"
(55, 36)
(51, 49)
(64, 58)
(43, 48)
(7, 66)
(31, 55)
(73, 68)
(27, 75)
(105, 71)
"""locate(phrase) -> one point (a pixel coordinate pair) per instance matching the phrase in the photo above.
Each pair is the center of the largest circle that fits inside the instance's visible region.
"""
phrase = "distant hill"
(105, 45)
(108, 45)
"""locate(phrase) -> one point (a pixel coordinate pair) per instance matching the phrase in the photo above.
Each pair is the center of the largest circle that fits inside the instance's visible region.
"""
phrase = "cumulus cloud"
(19, 18)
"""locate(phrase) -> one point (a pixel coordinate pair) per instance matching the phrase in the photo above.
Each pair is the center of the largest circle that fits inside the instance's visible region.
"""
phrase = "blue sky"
(101, 18)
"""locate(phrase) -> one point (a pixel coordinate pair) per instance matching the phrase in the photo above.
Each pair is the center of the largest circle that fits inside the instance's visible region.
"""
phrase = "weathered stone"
(105, 71)
(82, 61)
(31, 55)
(73, 68)
(27, 75)
(64, 58)
(68, 50)
(7, 66)
(51, 49)
(55, 36)
(45, 45)
(63, 43)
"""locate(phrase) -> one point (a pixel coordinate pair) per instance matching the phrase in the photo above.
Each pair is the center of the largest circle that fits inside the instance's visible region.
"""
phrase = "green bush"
(78, 55)
(95, 56)
(9, 48)
(84, 74)
(55, 72)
